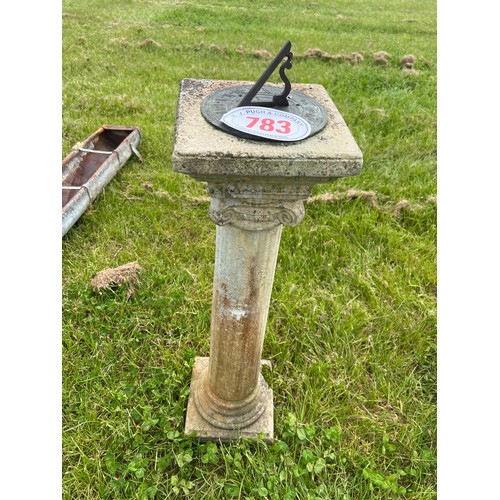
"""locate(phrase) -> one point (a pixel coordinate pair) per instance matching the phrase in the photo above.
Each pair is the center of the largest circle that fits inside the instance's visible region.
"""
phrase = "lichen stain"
(236, 333)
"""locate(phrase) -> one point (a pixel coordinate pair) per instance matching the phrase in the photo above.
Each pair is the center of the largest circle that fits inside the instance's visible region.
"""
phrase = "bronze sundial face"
(215, 105)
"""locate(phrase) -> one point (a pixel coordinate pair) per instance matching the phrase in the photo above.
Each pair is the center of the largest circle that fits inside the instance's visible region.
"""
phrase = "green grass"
(352, 322)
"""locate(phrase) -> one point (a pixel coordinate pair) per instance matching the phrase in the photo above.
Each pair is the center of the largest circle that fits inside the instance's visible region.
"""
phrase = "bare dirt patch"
(310, 53)
(381, 58)
(400, 206)
(149, 42)
(262, 54)
(371, 197)
(354, 57)
(408, 61)
(351, 194)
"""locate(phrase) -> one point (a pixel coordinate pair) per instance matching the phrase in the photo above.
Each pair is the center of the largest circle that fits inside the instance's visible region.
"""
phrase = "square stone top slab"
(203, 151)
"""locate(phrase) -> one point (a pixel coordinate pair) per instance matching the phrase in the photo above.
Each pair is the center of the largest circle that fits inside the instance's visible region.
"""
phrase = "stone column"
(256, 188)
(229, 392)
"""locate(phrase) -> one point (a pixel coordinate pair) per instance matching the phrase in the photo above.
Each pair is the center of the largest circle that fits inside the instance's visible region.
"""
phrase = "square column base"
(204, 431)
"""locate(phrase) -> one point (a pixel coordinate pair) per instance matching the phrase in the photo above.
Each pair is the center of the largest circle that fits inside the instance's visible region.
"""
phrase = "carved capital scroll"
(245, 214)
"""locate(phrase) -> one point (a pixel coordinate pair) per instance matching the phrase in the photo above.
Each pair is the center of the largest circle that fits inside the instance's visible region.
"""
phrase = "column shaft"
(245, 263)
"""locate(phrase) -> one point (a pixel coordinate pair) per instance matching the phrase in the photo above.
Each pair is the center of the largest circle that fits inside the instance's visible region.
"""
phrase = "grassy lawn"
(352, 322)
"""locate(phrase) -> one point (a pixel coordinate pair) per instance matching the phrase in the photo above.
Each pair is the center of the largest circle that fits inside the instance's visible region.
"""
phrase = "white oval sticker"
(268, 123)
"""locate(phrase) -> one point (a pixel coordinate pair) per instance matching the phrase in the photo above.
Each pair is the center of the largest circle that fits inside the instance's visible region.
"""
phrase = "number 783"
(267, 124)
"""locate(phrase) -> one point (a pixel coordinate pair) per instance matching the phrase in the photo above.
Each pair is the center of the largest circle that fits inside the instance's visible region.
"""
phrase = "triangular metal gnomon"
(278, 100)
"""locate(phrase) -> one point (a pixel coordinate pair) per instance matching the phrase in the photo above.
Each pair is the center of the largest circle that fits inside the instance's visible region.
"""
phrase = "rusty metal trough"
(91, 165)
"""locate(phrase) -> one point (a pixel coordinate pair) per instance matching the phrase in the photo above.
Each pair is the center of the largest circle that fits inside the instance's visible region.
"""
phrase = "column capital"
(254, 216)
(257, 205)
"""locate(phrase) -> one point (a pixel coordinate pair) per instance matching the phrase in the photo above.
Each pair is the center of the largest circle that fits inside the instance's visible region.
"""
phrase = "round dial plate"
(215, 105)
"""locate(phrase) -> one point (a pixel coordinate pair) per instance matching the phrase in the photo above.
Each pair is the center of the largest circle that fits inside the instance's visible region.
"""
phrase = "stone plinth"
(256, 188)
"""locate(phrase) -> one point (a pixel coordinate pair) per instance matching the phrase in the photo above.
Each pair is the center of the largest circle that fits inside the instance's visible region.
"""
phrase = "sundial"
(255, 188)
(215, 106)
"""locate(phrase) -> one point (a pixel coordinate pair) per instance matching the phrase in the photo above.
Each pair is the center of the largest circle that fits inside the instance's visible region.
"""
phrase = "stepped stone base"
(204, 431)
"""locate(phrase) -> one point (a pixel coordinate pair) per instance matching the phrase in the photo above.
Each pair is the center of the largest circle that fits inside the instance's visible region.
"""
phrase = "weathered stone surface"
(256, 188)
(204, 431)
(203, 151)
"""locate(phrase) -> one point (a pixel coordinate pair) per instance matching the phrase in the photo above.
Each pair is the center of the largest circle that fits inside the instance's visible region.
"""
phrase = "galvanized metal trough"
(91, 165)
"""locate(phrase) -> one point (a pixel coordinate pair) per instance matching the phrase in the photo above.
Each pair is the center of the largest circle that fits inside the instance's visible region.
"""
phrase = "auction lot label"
(268, 123)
